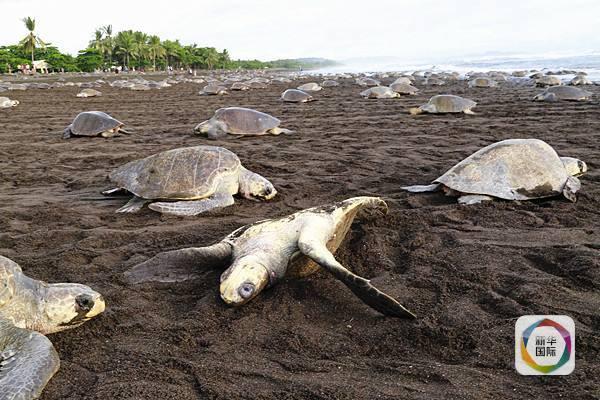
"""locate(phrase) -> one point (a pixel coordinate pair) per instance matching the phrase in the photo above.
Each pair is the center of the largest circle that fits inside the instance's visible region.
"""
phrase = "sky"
(412, 30)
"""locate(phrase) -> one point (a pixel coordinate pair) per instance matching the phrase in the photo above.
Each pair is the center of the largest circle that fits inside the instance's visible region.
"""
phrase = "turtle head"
(574, 166)
(415, 110)
(255, 187)
(244, 280)
(68, 305)
(203, 127)
(545, 97)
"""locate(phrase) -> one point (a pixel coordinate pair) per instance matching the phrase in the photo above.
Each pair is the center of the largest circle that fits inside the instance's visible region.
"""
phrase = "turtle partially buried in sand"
(5, 102)
(94, 123)
(296, 96)
(445, 103)
(187, 181)
(513, 169)
(260, 254)
(239, 121)
(30, 309)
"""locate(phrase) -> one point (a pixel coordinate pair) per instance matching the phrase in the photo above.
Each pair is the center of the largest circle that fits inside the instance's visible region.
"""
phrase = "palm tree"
(141, 49)
(156, 49)
(30, 41)
(211, 57)
(98, 42)
(108, 41)
(172, 49)
(125, 45)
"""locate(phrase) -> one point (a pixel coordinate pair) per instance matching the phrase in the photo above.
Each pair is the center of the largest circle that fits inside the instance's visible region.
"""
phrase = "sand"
(467, 272)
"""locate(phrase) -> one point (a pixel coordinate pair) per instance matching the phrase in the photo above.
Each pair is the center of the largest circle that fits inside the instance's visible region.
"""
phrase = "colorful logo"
(545, 345)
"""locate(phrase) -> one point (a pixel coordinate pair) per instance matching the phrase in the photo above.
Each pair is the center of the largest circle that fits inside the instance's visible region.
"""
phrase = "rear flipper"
(67, 132)
(422, 188)
(474, 199)
(180, 265)
(27, 362)
(134, 205)
(312, 244)
(190, 208)
(571, 188)
(278, 131)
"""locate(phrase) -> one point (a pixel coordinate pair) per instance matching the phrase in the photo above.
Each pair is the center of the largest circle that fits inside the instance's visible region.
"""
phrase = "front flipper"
(571, 188)
(189, 208)
(134, 205)
(422, 188)
(315, 249)
(180, 265)
(278, 131)
(116, 192)
(27, 362)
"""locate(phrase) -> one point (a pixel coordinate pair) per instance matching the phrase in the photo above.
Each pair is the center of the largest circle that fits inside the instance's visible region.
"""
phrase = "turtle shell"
(181, 174)
(482, 82)
(295, 96)
(245, 121)
(403, 88)
(447, 103)
(569, 93)
(379, 92)
(92, 123)
(310, 87)
(514, 169)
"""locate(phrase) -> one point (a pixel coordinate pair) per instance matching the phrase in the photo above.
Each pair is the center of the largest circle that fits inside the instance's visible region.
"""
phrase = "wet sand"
(468, 272)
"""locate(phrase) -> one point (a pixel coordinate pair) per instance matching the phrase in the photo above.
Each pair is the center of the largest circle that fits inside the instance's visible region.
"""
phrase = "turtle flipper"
(27, 362)
(116, 192)
(316, 250)
(421, 188)
(180, 265)
(190, 208)
(134, 205)
(571, 188)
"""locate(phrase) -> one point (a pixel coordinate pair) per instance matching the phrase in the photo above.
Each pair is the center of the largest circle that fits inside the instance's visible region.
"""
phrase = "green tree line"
(131, 49)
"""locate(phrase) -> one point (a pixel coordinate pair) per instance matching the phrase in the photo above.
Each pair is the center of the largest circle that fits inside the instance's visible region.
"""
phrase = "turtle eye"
(246, 290)
(84, 302)
(580, 165)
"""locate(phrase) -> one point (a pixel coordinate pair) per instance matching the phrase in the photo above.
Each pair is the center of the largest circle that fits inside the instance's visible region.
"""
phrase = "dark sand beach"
(468, 272)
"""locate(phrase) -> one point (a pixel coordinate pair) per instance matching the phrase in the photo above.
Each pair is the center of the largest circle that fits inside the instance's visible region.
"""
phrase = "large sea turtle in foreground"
(30, 309)
(94, 123)
(445, 103)
(570, 93)
(261, 254)
(239, 121)
(513, 169)
(187, 181)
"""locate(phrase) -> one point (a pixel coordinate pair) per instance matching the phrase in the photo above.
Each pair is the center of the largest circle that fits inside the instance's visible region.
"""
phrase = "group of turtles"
(193, 180)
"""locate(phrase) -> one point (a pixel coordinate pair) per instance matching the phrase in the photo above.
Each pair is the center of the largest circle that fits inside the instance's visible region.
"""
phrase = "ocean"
(588, 62)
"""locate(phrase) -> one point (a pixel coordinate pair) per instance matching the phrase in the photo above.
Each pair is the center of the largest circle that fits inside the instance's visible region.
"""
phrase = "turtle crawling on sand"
(94, 123)
(379, 92)
(514, 169)
(187, 181)
(310, 87)
(30, 309)
(239, 121)
(5, 102)
(445, 103)
(296, 96)
(213, 90)
(261, 254)
(89, 93)
(569, 93)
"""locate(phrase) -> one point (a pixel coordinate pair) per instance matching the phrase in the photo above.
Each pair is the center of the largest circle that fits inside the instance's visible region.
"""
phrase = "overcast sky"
(338, 29)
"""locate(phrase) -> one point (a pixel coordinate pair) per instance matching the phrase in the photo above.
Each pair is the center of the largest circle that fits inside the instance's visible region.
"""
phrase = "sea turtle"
(239, 121)
(547, 80)
(187, 181)
(30, 309)
(214, 90)
(580, 80)
(403, 80)
(433, 81)
(5, 102)
(513, 169)
(365, 81)
(379, 92)
(403, 88)
(330, 83)
(89, 93)
(296, 96)
(445, 103)
(261, 254)
(554, 93)
(94, 123)
(239, 86)
(482, 82)
(310, 87)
